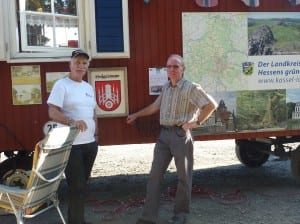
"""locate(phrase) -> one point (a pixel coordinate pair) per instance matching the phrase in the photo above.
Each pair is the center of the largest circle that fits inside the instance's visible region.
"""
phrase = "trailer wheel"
(13, 171)
(295, 164)
(252, 154)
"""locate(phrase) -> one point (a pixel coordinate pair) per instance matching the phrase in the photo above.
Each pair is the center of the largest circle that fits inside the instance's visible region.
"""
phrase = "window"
(45, 28)
(2, 42)
(40, 30)
(48, 24)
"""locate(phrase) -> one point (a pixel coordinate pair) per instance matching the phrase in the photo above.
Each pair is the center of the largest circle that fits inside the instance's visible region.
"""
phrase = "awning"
(251, 3)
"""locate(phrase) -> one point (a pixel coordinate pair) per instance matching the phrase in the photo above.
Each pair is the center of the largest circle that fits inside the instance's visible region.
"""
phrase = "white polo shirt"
(77, 101)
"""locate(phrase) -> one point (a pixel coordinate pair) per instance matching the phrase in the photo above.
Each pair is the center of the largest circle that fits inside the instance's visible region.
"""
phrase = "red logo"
(108, 94)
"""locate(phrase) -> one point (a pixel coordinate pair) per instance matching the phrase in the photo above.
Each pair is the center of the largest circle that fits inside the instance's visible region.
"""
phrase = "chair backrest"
(50, 160)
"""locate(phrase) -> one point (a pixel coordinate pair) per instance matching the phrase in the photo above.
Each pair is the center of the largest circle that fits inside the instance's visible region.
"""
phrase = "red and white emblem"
(108, 94)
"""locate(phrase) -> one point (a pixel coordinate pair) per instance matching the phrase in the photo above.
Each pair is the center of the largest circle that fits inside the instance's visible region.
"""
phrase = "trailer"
(244, 53)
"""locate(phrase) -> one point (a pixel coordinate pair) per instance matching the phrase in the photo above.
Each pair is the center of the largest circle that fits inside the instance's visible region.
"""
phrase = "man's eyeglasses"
(173, 66)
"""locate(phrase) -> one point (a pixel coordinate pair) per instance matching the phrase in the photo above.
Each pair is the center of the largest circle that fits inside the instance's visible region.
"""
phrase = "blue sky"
(293, 95)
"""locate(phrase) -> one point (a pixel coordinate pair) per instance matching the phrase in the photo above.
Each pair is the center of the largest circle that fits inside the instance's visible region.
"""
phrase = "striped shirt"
(181, 103)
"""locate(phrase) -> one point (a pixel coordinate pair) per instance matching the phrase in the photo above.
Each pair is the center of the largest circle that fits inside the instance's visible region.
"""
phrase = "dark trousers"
(78, 170)
(173, 142)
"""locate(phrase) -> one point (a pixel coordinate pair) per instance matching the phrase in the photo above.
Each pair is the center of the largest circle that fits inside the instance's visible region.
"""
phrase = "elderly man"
(72, 102)
(183, 105)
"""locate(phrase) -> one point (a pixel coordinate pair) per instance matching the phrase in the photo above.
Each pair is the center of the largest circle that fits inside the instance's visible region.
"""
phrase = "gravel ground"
(224, 190)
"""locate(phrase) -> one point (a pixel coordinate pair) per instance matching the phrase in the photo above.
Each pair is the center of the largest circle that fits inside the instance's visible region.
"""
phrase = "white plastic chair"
(50, 159)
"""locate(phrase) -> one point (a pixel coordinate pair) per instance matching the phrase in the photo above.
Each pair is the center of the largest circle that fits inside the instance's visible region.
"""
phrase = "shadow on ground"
(225, 194)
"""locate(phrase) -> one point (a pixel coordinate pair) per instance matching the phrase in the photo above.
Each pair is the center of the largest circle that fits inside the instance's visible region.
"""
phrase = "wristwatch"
(70, 120)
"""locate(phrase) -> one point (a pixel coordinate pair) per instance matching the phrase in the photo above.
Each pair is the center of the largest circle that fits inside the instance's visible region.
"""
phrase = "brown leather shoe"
(178, 219)
(82, 223)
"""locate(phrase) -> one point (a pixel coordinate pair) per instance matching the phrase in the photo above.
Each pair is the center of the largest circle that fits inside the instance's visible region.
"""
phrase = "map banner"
(250, 62)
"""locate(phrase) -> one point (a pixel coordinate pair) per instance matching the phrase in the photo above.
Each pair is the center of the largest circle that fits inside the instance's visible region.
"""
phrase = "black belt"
(170, 127)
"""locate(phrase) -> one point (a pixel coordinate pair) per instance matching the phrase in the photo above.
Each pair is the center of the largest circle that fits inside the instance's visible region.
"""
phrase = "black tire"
(13, 171)
(252, 154)
(295, 164)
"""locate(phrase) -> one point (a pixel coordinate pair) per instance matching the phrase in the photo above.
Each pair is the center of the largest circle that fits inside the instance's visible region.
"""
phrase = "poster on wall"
(250, 63)
(52, 77)
(111, 90)
(26, 85)
(157, 78)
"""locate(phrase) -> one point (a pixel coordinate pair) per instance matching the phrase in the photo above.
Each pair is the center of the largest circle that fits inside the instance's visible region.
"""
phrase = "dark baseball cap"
(80, 52)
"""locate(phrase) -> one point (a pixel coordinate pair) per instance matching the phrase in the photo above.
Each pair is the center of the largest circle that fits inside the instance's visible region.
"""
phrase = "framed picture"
(52, 77)
(111, 91)
(26, 85)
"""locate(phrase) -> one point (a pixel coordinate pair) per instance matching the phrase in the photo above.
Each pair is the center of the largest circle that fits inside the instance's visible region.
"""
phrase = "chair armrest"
(12, 190)
(48, 180)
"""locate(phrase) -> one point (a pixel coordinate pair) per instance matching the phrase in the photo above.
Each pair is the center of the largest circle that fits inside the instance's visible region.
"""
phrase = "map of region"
(215, 45)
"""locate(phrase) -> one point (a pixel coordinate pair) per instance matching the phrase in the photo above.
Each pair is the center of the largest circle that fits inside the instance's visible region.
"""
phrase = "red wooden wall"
(155, 32)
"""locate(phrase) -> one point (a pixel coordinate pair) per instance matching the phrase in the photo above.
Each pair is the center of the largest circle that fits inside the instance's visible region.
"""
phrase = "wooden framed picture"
(111, 90)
